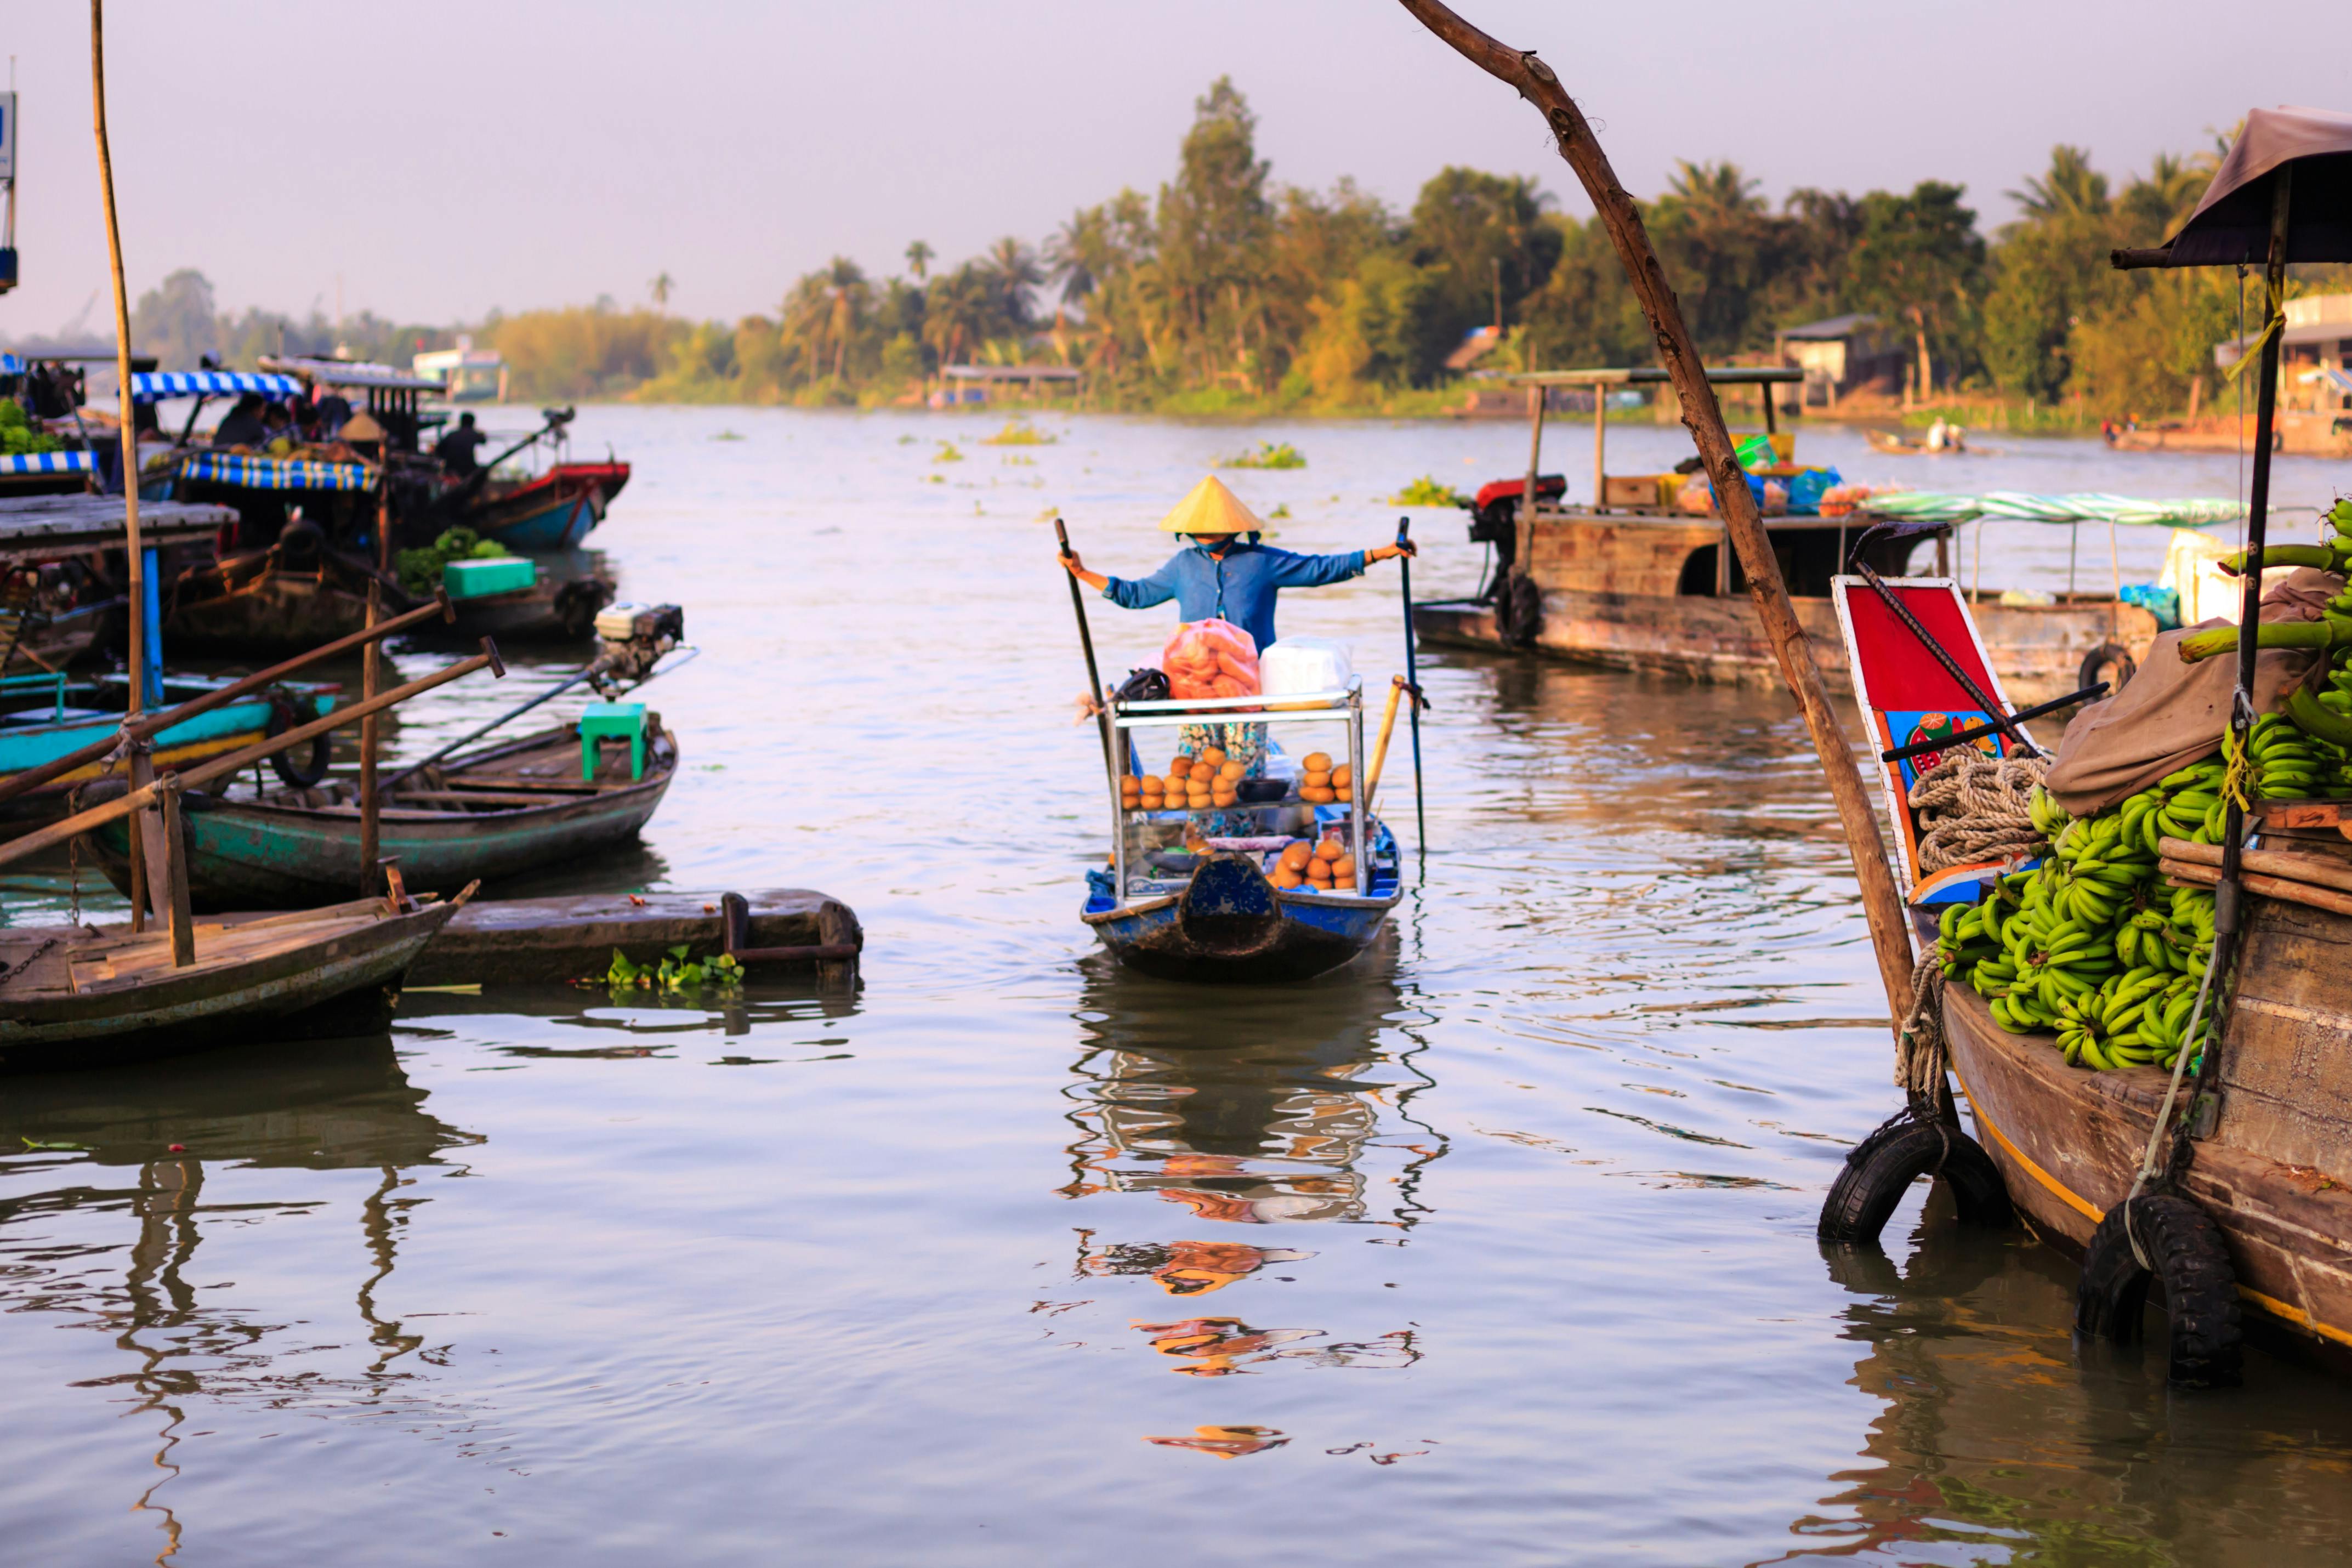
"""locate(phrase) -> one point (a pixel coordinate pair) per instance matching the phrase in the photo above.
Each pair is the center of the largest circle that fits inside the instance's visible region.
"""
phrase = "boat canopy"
(2015, 506)
(11, 365)
(1652, 375)
(41, 528)
(352, 372)
(48, 463)
(156, 385)
(2231, 226)
(276, 473)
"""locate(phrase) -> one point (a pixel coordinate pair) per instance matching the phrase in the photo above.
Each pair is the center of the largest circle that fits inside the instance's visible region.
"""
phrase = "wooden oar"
(1412, 678)
(216, 767)
(144, 726)
(1094, 679)
(1398, 687)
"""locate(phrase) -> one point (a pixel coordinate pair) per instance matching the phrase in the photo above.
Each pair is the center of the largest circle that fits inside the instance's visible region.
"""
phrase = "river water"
(1495, 1247)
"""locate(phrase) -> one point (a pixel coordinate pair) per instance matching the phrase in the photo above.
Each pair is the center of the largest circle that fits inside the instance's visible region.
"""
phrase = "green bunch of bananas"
(2190, 932)
(2094, 867)
(2288, 764)
(2055, 959)
(2191, 804)
(2165, 1024)
(1966, 935)
(2105, 1030)
(2049, 818)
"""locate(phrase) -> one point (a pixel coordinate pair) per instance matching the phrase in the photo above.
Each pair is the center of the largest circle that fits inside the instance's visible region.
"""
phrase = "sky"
(433, 161)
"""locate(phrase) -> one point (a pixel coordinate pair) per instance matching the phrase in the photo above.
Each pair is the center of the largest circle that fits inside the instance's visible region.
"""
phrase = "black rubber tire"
(2201, 1288)
(1881, 1168)
(2110, 662)
(287, 711)
(1526, 619)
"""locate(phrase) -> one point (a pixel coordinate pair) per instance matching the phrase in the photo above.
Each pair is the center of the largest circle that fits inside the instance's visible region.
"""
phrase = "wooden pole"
(1600, 446)
(1534, 80)
(370, 735)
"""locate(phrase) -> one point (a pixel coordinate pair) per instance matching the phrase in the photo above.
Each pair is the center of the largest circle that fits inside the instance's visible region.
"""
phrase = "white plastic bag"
(1297, 666)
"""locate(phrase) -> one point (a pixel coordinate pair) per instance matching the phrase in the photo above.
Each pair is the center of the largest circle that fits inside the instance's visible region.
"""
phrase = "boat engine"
(634, 636)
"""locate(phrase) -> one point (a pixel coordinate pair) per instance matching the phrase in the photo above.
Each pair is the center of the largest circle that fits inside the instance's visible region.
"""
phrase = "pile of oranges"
(1320, 783)
(1321, 867)
(1206, 781)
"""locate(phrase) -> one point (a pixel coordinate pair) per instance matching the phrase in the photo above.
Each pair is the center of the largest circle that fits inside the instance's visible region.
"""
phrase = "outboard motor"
(634, 636)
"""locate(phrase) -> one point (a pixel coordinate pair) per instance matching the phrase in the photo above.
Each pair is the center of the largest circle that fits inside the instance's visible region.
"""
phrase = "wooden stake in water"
(369, 738)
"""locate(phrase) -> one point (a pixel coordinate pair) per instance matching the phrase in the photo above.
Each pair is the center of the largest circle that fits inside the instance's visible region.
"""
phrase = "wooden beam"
(1622, 215)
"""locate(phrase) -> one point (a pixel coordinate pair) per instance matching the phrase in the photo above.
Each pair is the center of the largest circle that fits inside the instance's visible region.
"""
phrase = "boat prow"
(1231, 924)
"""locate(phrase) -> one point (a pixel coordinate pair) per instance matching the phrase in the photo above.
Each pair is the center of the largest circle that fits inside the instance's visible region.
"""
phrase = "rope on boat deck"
(1974, 809)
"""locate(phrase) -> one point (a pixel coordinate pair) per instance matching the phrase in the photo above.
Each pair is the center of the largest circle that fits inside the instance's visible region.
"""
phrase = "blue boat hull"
(1231, 926)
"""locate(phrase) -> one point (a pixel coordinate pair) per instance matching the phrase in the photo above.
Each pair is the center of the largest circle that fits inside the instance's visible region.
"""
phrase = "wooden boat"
(552, 511)
(1182, 906)
(1888, 443)
(1230, 924)
(483, 816)
(259, 602)
(84, 997)
(47, 717)
(1634, 586)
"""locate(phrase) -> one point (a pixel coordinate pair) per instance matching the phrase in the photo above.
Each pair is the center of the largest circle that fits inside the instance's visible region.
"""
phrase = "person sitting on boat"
(455, 450)
(1225, 574)
(242, 426)
(333, 411)
(278, 431)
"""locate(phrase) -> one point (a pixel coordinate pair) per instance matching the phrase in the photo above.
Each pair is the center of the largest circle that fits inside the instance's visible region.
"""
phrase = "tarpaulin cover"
(153, 386)
(277, 473)
(2171, 713)
(2232, 223)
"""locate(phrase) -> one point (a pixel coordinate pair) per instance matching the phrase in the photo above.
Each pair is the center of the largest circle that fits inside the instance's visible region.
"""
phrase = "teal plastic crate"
(497, 575)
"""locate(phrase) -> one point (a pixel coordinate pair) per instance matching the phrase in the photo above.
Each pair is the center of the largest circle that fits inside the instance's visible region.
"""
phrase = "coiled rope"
(1972, 808)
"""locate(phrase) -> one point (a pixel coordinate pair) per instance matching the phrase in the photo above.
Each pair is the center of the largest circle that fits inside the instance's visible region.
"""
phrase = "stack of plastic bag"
(1210, 658)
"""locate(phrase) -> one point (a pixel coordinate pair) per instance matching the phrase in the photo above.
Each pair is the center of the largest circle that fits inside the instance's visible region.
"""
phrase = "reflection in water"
(1244, 1106)
(336, 1105)
(1184, 1267)
(1225, 1442)
(2003, 1440)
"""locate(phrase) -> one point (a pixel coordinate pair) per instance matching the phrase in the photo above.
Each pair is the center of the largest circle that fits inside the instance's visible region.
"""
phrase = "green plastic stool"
(612, 721)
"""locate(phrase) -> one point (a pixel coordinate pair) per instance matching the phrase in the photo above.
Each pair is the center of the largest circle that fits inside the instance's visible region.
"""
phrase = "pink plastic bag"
(1210, 658)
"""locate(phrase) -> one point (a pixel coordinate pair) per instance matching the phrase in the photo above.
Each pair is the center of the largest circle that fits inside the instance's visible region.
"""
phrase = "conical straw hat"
(1212, 509)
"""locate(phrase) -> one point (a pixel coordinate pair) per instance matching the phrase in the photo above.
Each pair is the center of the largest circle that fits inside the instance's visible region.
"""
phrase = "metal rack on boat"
(1345, 705)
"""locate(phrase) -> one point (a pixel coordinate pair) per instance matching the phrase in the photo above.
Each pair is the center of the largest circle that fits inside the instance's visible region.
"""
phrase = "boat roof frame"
(1652, 375)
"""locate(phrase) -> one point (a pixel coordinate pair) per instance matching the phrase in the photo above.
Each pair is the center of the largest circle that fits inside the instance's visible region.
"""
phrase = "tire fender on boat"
(286, 711)
(1881, 1168)
(2183, 1247)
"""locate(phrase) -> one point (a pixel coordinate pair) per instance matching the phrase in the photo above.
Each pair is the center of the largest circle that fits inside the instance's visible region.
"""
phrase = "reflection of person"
(455, 450)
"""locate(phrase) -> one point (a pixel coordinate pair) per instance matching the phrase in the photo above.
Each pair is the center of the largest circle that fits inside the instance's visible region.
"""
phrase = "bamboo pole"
(1534, 81)
(370, 734)
(154, 725)
(129, 435)
(205, 772)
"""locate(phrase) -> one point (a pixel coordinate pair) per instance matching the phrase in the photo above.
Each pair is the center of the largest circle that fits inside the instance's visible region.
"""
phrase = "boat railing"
(1343, 705)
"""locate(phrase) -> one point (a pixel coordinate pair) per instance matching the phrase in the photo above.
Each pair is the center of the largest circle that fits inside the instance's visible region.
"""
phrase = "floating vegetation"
(1280, 512)
(1018, 432)
(1018, 461)
(1269, 455)
(947, 453)
(1427, 491)
(910, 440)
(726, 435)
(675, 973)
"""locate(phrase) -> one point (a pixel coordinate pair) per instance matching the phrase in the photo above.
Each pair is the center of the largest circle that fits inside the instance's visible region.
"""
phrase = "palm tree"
(918, 259)
(1014, 271)
(2170, 189)
(1715, 190)
(660, 289)
(846, 287)
(2071, 189)
(957, 310)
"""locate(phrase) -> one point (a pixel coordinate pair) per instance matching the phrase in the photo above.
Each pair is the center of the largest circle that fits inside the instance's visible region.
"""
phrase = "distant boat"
(552, 511)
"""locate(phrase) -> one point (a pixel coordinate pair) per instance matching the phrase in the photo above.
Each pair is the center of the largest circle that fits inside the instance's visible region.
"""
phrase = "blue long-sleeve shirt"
(1241, 588)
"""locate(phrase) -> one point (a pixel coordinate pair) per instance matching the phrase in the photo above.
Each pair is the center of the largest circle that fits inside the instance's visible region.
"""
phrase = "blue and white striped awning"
(50, 463)
(152, 387)
(276, 473)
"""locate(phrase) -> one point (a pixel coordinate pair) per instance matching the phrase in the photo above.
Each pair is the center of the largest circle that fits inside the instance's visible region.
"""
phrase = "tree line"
(1225, 290)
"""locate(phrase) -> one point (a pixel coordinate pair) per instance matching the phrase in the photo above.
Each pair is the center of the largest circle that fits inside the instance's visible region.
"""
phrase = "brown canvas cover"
(2171, 713)
(2232, 223)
